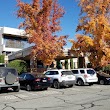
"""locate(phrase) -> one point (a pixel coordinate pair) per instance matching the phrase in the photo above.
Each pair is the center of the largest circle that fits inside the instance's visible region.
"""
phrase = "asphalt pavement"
(96, 97)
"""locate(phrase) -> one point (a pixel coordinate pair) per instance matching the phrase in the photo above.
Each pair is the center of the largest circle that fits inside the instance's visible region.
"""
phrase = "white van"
(85, 76)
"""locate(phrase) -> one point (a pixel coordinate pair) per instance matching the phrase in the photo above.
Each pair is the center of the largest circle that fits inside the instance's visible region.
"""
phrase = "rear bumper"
(108, 80)
(41, 86)
(9, 86)
(66, 83)
(91, 80)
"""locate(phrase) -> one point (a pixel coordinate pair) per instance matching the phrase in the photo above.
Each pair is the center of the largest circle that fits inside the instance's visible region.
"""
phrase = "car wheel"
(71, 85)
(56, 85)
(80, 82)
(102, 82)
(28, 88)
(45, 88)
(16, 89)
(90, 84)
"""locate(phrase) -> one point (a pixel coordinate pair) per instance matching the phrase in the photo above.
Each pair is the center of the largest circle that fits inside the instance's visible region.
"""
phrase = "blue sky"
(69, 21)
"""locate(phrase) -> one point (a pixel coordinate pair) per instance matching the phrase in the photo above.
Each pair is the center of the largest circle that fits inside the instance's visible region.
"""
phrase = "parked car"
(60, 77)
(103, 78)
(32, 81)
(85, 76)
(9, 79)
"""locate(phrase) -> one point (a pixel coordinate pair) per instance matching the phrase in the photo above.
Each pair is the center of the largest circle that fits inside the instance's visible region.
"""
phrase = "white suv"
(61, 77)
(85, 76)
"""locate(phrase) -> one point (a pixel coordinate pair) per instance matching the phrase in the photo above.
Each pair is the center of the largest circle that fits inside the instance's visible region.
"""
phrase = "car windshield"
(67, 73)
(90, 72)
(5, 71)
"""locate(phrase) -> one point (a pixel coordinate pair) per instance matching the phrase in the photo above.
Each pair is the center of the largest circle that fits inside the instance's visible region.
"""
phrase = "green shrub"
(106, 68)
(2, 58)
(19, 65)
(71, 63)
(66, 64)
(89, 65)
(59, 66)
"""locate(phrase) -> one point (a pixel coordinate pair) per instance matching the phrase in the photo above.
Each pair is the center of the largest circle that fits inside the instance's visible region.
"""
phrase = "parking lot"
(96, 97)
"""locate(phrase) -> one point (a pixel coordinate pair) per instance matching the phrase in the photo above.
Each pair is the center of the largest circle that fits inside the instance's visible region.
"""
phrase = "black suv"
(9, 79)
(103, 78)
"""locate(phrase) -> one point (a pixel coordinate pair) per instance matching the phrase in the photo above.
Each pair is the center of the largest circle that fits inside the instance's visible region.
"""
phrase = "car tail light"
(37, 80)
(62, 75)
(85, 76)
(49, 79)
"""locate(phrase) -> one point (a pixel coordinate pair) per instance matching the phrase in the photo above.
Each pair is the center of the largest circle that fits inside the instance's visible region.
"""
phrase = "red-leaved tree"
(41, 22)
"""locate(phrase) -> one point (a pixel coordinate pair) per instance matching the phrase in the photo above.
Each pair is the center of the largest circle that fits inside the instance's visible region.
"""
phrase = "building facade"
(12, 40)
(14, 45)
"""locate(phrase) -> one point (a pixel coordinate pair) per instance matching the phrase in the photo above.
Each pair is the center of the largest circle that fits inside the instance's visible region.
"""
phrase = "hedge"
(19, 65)
(2, 58)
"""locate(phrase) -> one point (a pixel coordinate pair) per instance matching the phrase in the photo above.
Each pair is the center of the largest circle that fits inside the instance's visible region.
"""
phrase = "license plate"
(44, 80)
(69, 77)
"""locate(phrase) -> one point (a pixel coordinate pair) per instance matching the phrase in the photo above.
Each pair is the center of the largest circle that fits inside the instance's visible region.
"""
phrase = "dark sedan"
(103, 78)
(31, 81)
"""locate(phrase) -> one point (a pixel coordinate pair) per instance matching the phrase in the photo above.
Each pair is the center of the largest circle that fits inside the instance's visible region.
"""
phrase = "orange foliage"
(95, 25)
(41, 21)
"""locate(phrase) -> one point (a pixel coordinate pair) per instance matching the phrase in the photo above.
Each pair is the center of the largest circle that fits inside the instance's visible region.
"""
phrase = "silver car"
(9, 79)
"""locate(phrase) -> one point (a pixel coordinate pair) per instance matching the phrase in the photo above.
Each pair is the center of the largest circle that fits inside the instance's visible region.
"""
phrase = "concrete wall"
(12, 31)
(9, 31)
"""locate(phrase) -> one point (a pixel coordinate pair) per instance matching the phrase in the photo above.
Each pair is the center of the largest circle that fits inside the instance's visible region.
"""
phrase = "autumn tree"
(94, 26)
(41, 22)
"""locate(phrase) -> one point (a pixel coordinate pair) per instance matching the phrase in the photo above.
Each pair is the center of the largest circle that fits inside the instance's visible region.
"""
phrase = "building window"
(15, 42)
